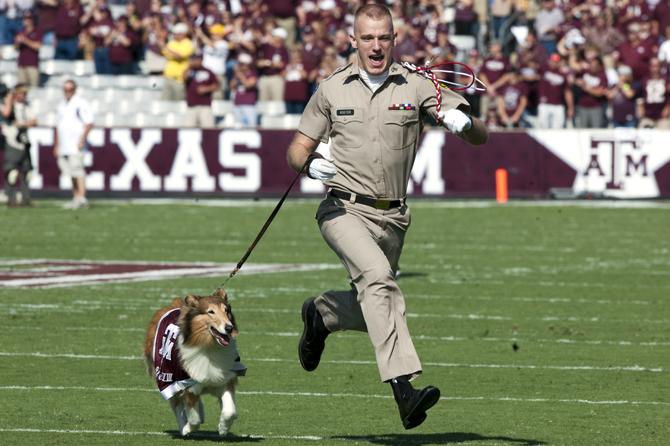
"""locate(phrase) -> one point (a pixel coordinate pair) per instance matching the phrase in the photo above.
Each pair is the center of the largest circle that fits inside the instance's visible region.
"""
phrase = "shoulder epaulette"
(338, 70)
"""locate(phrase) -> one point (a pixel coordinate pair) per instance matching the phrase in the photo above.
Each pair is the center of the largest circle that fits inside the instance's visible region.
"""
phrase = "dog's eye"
(211, 312)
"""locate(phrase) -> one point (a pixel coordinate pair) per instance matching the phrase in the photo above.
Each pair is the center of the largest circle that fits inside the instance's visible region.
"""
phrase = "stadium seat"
(464, 44)
(220, 108)
(103, 81)
(161, 107)
(7, 52)
(271, 108)
(280, 122)
(150, 120)
(9, 79)
(174, 119)
(7, 66)
(47, 52)
(48, 119)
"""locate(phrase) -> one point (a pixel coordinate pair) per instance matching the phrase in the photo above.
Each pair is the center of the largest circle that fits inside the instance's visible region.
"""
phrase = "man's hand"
(455, 120)
(319, 168)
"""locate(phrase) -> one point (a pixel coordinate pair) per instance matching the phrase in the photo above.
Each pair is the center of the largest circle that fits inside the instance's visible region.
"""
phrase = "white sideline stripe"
(161, 434)
(417, 203)
(351, 395)
(633, 368)
(288, 334)
(462, 317)
(204, 270)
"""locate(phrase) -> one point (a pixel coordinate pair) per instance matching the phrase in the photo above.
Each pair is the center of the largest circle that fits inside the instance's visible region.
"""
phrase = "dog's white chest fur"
(213, 366)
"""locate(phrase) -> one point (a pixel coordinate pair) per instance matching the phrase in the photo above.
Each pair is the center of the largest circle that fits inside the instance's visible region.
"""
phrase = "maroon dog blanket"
(171, 378)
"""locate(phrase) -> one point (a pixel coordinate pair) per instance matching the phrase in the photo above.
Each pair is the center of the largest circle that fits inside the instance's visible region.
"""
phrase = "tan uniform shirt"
(374, 136)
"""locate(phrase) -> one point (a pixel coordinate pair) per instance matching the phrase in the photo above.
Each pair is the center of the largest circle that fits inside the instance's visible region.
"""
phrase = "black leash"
(267, 223)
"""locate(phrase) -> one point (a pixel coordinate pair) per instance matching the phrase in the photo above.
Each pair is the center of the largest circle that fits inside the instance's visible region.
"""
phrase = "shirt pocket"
(347, 130)
(400, 130)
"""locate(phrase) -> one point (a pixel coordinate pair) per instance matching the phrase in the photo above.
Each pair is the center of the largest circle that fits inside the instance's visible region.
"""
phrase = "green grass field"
(583, 292)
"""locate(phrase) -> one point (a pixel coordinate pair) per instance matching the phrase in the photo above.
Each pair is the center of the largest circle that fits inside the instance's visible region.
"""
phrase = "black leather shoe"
(313, 339)
(412, 403)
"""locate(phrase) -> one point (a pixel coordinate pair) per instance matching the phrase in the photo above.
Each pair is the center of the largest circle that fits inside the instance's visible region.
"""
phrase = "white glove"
(455, 120)
(321, 169)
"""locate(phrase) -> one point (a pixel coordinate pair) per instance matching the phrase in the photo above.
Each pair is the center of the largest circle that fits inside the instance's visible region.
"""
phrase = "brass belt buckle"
(383, 204)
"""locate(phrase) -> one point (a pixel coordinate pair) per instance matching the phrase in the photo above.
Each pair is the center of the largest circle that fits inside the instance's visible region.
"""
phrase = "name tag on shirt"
(345, 112)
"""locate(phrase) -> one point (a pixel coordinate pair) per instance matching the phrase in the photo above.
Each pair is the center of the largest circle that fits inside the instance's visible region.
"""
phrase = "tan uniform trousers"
(369, 241)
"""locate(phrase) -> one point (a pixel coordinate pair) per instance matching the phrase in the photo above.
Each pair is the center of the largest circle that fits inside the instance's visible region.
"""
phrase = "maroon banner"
(252, 162)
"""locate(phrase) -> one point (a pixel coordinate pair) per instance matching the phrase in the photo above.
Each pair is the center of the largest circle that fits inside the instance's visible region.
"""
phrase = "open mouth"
(376, 60)
(221, 338)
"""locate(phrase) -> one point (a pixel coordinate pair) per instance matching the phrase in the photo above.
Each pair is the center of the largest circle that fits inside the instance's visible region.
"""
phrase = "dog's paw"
(224, 427)
(187, 429)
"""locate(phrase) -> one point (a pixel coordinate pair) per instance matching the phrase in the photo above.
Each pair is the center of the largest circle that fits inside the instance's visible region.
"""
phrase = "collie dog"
(190, 349)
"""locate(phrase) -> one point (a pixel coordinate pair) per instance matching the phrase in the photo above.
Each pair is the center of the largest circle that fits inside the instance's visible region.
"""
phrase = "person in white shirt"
(75, 120)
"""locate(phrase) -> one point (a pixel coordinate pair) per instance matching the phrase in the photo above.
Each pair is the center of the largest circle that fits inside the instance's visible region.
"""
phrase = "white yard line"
(58, 308)
(632, 368)
(619, 343)
(414, 202)
(347, 395)
(162, 434)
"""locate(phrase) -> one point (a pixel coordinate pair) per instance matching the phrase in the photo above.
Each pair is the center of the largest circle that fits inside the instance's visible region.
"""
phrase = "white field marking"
(342, 395)
(288, 334)
(633, 368)
(202, 270)
(414, 202)
(548, 300)
(163, 434)
(58, 308)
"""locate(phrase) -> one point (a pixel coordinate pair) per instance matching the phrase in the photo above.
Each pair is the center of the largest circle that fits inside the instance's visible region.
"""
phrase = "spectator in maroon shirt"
(28, 42)
(512, 100)
(272, 58)
(67, 29)
(661, 17)
(98, 27)
(296, 89)
(622, 98)
(243, 86)
(46, 10)
(405, 48)
(592, 96)
(654, 103)
(154, 38)
(492, 74)
(312, 51)
(636, 53)
(465, 20)
(200, 84)
(284, 13)
(120, 45)
(555, 95)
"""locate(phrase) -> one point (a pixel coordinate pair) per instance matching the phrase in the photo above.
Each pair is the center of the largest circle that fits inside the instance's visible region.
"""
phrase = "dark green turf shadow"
(213, 436)
(429, 439)
(408, 274)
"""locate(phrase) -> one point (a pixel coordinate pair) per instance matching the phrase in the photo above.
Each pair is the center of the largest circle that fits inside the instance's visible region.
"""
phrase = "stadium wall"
(251, 162)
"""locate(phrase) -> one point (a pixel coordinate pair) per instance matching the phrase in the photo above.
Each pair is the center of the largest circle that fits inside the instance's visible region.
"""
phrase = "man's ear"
(352, 39)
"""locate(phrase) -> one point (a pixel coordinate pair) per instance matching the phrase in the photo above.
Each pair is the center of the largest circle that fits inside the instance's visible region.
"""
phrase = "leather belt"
(368, 201)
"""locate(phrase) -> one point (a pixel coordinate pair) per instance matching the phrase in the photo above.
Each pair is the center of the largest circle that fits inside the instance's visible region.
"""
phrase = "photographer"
(17, 118)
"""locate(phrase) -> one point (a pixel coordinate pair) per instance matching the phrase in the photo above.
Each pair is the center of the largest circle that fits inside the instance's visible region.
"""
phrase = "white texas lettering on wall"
(617, 163)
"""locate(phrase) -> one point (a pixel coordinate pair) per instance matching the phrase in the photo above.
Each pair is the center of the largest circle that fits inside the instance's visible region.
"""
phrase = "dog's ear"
(191, 301)
(220, 292)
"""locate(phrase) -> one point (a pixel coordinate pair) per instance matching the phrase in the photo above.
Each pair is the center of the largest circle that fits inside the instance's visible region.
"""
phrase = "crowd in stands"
(546, 63)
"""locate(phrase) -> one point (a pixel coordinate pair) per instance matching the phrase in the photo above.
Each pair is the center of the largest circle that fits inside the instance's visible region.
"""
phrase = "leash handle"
(267, 224)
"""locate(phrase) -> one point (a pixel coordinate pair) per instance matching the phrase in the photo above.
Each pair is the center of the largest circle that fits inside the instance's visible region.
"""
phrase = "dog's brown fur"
(207, 327)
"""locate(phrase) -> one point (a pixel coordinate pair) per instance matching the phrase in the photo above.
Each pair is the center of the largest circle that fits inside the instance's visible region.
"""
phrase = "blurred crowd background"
(547, 63)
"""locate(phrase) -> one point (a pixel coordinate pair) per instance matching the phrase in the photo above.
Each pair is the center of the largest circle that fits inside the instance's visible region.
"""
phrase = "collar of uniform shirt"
(374, 82)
